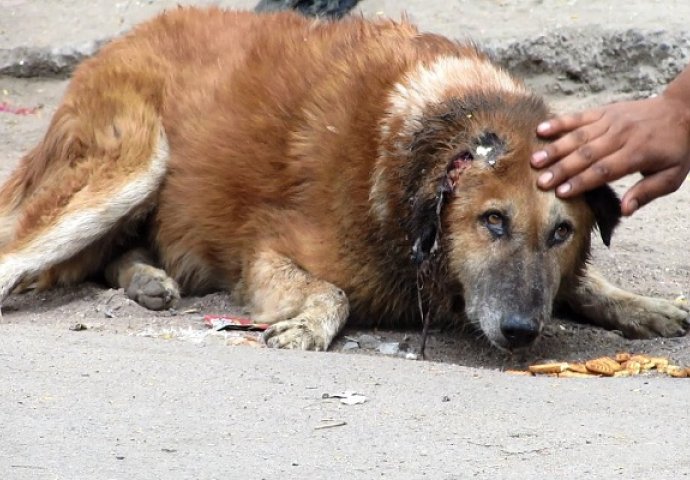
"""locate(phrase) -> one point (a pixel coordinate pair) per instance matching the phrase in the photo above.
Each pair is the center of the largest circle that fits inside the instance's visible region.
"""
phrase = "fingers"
(567, 123)
(650, 188)
(584, 167)
(611, 167)
(577, 139)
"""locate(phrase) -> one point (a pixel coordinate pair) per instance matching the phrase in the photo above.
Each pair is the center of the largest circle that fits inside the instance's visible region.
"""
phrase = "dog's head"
(471, 204)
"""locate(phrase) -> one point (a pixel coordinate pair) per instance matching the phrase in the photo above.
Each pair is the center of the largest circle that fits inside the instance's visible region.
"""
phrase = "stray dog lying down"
(324, 172)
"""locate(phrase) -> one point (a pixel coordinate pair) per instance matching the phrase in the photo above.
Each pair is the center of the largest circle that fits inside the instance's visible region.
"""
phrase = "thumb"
(650, 188)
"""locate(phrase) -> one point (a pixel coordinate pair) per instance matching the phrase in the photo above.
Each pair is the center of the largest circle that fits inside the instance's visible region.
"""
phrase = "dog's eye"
(495, 222)
(494, 219)
(561, 233)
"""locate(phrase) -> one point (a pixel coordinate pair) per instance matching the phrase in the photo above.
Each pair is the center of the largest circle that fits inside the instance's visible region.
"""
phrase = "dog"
(323, 172)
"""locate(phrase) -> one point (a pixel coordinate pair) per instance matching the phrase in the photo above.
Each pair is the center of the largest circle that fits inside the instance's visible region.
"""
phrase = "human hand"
(650, 136)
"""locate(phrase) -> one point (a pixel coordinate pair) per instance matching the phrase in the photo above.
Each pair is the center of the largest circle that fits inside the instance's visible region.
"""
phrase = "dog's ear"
(425, 222)
(606, 207)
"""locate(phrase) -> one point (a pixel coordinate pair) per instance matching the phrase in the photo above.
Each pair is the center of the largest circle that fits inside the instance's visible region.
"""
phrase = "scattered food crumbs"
(549, 367)
(677, 372)
(606, 366)
(623, 364)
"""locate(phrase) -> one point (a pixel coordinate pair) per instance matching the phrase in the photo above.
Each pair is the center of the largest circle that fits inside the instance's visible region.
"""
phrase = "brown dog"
(321, 171)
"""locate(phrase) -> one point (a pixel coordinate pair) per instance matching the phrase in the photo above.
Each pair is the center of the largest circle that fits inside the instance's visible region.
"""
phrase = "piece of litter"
(77, 327)
(354, 400)
(351, 346)
(232, 322)
(189, 311)
(348, 397)
(411, 356)
(389, 348)
(7, 108)
(330, 425)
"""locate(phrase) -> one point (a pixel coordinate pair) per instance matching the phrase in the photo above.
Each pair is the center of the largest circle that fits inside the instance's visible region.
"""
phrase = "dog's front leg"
(149, 286)
(305, 312)
(636, 316)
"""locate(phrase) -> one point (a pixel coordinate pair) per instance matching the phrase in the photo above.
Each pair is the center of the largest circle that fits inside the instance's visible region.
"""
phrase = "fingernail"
(545, 178)
(564, 188)
(539, 157)
(543, 127)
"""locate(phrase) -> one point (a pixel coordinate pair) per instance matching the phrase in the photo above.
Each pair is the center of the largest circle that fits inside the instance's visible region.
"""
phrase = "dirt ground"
(146, 395)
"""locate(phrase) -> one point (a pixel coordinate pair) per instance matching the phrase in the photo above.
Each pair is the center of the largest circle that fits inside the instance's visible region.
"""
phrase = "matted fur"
(301, 164)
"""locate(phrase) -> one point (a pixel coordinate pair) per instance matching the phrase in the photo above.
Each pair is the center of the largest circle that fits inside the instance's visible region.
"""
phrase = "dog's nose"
(519, 330)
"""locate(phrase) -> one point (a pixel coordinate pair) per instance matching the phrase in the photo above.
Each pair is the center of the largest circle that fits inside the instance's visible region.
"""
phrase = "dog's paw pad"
(153, 290)
(294, 334)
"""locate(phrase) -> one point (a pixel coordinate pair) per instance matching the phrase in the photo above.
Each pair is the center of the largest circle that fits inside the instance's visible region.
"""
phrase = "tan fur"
(295, 162)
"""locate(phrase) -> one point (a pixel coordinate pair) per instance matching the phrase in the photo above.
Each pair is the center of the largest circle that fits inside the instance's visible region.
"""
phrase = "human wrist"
(678, 92)
(678, 99)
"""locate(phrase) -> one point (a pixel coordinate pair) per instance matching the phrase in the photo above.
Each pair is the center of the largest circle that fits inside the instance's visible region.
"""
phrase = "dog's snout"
(519, 330)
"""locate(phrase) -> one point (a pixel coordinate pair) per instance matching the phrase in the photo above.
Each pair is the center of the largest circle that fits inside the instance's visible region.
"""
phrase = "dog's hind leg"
(144, 283)
(305, 312)
(636, 316)
(81, 202)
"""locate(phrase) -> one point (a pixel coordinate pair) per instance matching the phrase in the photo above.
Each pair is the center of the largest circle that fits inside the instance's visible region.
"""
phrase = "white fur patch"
(79, 229)
(427, 85)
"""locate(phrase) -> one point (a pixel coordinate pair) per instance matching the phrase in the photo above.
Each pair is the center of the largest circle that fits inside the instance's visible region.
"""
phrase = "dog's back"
(281, 147)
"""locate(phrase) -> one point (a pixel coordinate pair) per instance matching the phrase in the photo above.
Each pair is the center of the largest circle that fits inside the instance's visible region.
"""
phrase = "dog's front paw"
(646, 317)
(153, 289)
(297, 333)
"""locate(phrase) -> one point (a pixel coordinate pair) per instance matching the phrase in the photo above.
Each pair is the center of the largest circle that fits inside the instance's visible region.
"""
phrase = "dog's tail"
(99, 164)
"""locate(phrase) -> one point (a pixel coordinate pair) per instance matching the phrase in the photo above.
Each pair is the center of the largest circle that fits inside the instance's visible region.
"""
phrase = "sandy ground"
(142, 395)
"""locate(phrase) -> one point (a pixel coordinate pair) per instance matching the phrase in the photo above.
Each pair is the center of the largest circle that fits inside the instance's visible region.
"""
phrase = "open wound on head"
(488, 148)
